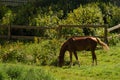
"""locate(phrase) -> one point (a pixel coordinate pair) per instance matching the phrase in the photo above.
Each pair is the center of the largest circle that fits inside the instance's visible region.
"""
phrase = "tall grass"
(22, 72)
(45, 53)
(42, 53)
(107, 68)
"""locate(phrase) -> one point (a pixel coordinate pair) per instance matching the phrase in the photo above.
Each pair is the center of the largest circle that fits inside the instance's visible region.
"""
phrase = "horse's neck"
(63, 50)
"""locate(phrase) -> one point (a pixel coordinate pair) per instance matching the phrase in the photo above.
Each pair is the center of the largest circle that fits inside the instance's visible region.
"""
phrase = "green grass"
(108, 67)
(23, 72)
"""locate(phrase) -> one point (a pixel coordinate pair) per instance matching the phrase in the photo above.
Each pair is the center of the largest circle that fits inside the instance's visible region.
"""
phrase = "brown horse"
(74, 44)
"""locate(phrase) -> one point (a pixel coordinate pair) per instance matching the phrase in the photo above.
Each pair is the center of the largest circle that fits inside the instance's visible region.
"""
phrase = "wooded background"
(51, 13)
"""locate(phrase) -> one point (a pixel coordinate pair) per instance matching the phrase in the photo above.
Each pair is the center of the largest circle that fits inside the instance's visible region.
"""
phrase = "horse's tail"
(104, 45)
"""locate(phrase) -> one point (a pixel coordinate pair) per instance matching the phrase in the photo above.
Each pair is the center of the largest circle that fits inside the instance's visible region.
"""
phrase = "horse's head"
(62, 53)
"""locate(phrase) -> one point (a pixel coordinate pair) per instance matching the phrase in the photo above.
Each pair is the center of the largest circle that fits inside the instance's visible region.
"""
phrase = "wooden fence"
(10, 27)
(114, 28)
(89, 26)
(14, 2)
(59, 28)
(117, 27)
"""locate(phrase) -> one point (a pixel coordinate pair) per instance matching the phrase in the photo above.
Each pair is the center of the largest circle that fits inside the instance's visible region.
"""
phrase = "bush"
(111, 13)
(114, 40)
(86, 14)
(37, 15)
(20, 72)
(42, 53)
(6, 17)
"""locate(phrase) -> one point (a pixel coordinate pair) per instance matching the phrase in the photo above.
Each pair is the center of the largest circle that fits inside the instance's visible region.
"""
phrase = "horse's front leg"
(75, 54)
(71, 63)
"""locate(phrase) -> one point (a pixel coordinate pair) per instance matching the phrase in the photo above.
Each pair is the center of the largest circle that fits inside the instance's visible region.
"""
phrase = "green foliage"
(7, 18)
(115, 15)
(54, 14)
(24, 14)
(45, 19)
(71, 32)
(111, 13)
(86, 14)
(13, 73)
(92, 14)
(51, 14)
(108, 65)
(43, 53)
(74, 17)
(46, 53)
(3, 10)
(114, 39)
(6, 15)
(21, 72)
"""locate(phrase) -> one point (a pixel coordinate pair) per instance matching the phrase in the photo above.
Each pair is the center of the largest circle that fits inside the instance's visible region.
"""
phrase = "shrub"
(114, 40)
(21, 72)
(86, 14)
(111, 13)
(48, 52)
(43, 53)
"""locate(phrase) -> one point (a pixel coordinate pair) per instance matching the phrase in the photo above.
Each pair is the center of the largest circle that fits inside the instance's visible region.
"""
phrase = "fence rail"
(10, 27)
(83, 26)
(58, 28)
(114, 28)
(32, 27)
(89, 26)
(14, 2)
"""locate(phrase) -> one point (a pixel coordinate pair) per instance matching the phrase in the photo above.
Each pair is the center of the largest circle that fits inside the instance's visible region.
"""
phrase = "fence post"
(9, 31)
(105, 34)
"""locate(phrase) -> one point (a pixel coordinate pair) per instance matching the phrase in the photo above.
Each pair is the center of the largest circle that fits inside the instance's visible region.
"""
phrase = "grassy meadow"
(38, 61)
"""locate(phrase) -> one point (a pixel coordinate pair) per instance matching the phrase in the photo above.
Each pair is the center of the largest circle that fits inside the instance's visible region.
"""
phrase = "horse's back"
(82, 43)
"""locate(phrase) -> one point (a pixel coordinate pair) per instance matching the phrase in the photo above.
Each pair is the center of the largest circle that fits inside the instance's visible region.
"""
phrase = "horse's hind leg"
(75, 54)
(94, 57)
